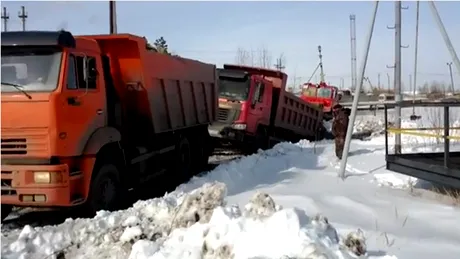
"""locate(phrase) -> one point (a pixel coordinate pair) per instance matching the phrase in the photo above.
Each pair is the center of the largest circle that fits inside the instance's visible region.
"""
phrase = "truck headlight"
(239, 126)
(42, 177)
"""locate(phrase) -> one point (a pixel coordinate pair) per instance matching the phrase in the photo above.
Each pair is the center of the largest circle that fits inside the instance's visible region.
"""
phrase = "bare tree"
(260, 58)
(264, 58)
(242, 57)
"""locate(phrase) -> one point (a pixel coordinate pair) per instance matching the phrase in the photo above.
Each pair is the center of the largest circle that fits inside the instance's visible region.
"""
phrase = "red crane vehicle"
(255, 110)
(86, 118)
(323, 95)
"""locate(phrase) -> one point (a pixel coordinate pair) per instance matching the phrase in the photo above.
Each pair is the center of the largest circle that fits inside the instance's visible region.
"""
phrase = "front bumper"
(18, 186)
(225, 131)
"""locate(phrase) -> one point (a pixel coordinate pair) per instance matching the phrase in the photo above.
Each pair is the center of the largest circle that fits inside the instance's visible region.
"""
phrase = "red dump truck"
(86, 118)
(255, 108)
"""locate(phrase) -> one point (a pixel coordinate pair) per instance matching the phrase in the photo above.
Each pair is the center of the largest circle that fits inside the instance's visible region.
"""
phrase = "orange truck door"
(84, 103)
(257, 110)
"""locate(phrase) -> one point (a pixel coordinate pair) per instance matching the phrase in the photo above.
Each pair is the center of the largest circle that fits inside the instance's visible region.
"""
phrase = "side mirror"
(340, 97)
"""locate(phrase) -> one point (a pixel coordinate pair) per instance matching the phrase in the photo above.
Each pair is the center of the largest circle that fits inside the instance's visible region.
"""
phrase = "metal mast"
(354, 76)
(321, 65)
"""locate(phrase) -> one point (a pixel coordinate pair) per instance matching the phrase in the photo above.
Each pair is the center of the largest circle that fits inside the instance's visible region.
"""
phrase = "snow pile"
(188, 225)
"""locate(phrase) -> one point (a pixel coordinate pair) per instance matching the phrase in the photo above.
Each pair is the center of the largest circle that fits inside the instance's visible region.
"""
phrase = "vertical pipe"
(397, 76)
(389, 83)
(446, 135)
(386, 129)
(416, 54)
(113, 17)
(351, 122)
(451, 49)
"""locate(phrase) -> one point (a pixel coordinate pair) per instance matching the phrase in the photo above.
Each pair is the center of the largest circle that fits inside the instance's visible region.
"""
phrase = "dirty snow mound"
(192, 225)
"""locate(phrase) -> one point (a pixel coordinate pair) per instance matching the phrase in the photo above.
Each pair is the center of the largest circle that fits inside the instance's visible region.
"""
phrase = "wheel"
(202, 151)
(6, 210)
(183, 161)
(105, 191)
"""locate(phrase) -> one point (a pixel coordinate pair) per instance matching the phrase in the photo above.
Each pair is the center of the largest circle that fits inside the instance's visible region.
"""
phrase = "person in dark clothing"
(339, 128)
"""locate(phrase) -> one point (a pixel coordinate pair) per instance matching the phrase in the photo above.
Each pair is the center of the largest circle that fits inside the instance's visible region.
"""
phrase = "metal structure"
(397, 79)
(321, 75)
(23, 16)
(354, 76)
(440, 167)
(5, 17)
(354, 109)
(113, 17)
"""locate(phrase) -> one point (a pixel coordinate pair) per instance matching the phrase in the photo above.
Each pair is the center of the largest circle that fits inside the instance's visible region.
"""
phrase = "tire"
(6, 210)
(105, 191)
(183, 159)
(200, 156)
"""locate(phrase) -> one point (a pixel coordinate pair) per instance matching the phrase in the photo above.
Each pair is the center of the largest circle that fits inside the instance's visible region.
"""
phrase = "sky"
(213, 31)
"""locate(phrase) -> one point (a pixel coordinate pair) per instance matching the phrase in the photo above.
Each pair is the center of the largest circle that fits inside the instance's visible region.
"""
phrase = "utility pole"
(414, 117)
(5, 18)
(23, 16)
(354, 70)
(449, 64)
(389, 83)
(410, 82)
(113, 17)
(279, 64)
(378, 81)
(321, 74)
(397, 72)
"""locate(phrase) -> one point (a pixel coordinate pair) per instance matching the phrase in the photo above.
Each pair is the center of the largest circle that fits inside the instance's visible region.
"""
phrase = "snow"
(286, 202)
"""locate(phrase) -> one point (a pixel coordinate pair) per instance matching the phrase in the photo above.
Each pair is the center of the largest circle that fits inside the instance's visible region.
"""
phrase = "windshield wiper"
(18, 87)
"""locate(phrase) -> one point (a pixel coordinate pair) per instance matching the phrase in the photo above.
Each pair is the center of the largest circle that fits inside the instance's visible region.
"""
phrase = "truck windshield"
(309, 91)
(234, 88)
(325, 92)
(30, 69)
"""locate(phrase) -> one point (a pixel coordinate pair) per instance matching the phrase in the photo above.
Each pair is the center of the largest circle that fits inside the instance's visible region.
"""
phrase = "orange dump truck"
(86, 118)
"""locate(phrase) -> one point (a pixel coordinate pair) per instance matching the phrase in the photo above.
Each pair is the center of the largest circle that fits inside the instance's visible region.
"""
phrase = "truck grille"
(25, 142)
(13, 146)
(222, 114)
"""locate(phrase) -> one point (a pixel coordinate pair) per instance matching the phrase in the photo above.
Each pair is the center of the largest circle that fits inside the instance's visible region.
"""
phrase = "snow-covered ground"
(286, 202)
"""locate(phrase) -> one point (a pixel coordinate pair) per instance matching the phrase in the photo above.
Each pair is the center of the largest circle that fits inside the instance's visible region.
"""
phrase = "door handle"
(73, 101)
(99, 111)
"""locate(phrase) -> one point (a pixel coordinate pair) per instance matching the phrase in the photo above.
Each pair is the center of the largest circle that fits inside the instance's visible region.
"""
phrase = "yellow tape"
(410, 132)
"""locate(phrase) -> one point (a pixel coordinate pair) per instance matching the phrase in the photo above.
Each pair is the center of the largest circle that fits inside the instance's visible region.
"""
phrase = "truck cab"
(45, 78)
(244, 103)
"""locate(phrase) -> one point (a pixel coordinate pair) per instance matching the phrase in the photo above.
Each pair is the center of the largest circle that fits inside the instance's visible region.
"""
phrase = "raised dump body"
(86, 118)
(162, 92)
(254, 106)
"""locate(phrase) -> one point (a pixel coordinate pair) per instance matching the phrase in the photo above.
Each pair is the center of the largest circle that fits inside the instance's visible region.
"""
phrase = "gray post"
(397, 75)
(451, 77)
(354, 71)
(416, 54)
(389, 82)
(354, 108)
(445, 36)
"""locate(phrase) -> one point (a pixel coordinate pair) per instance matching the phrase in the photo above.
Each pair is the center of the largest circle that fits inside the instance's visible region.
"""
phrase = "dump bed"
(159, 91)
(292, 112)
